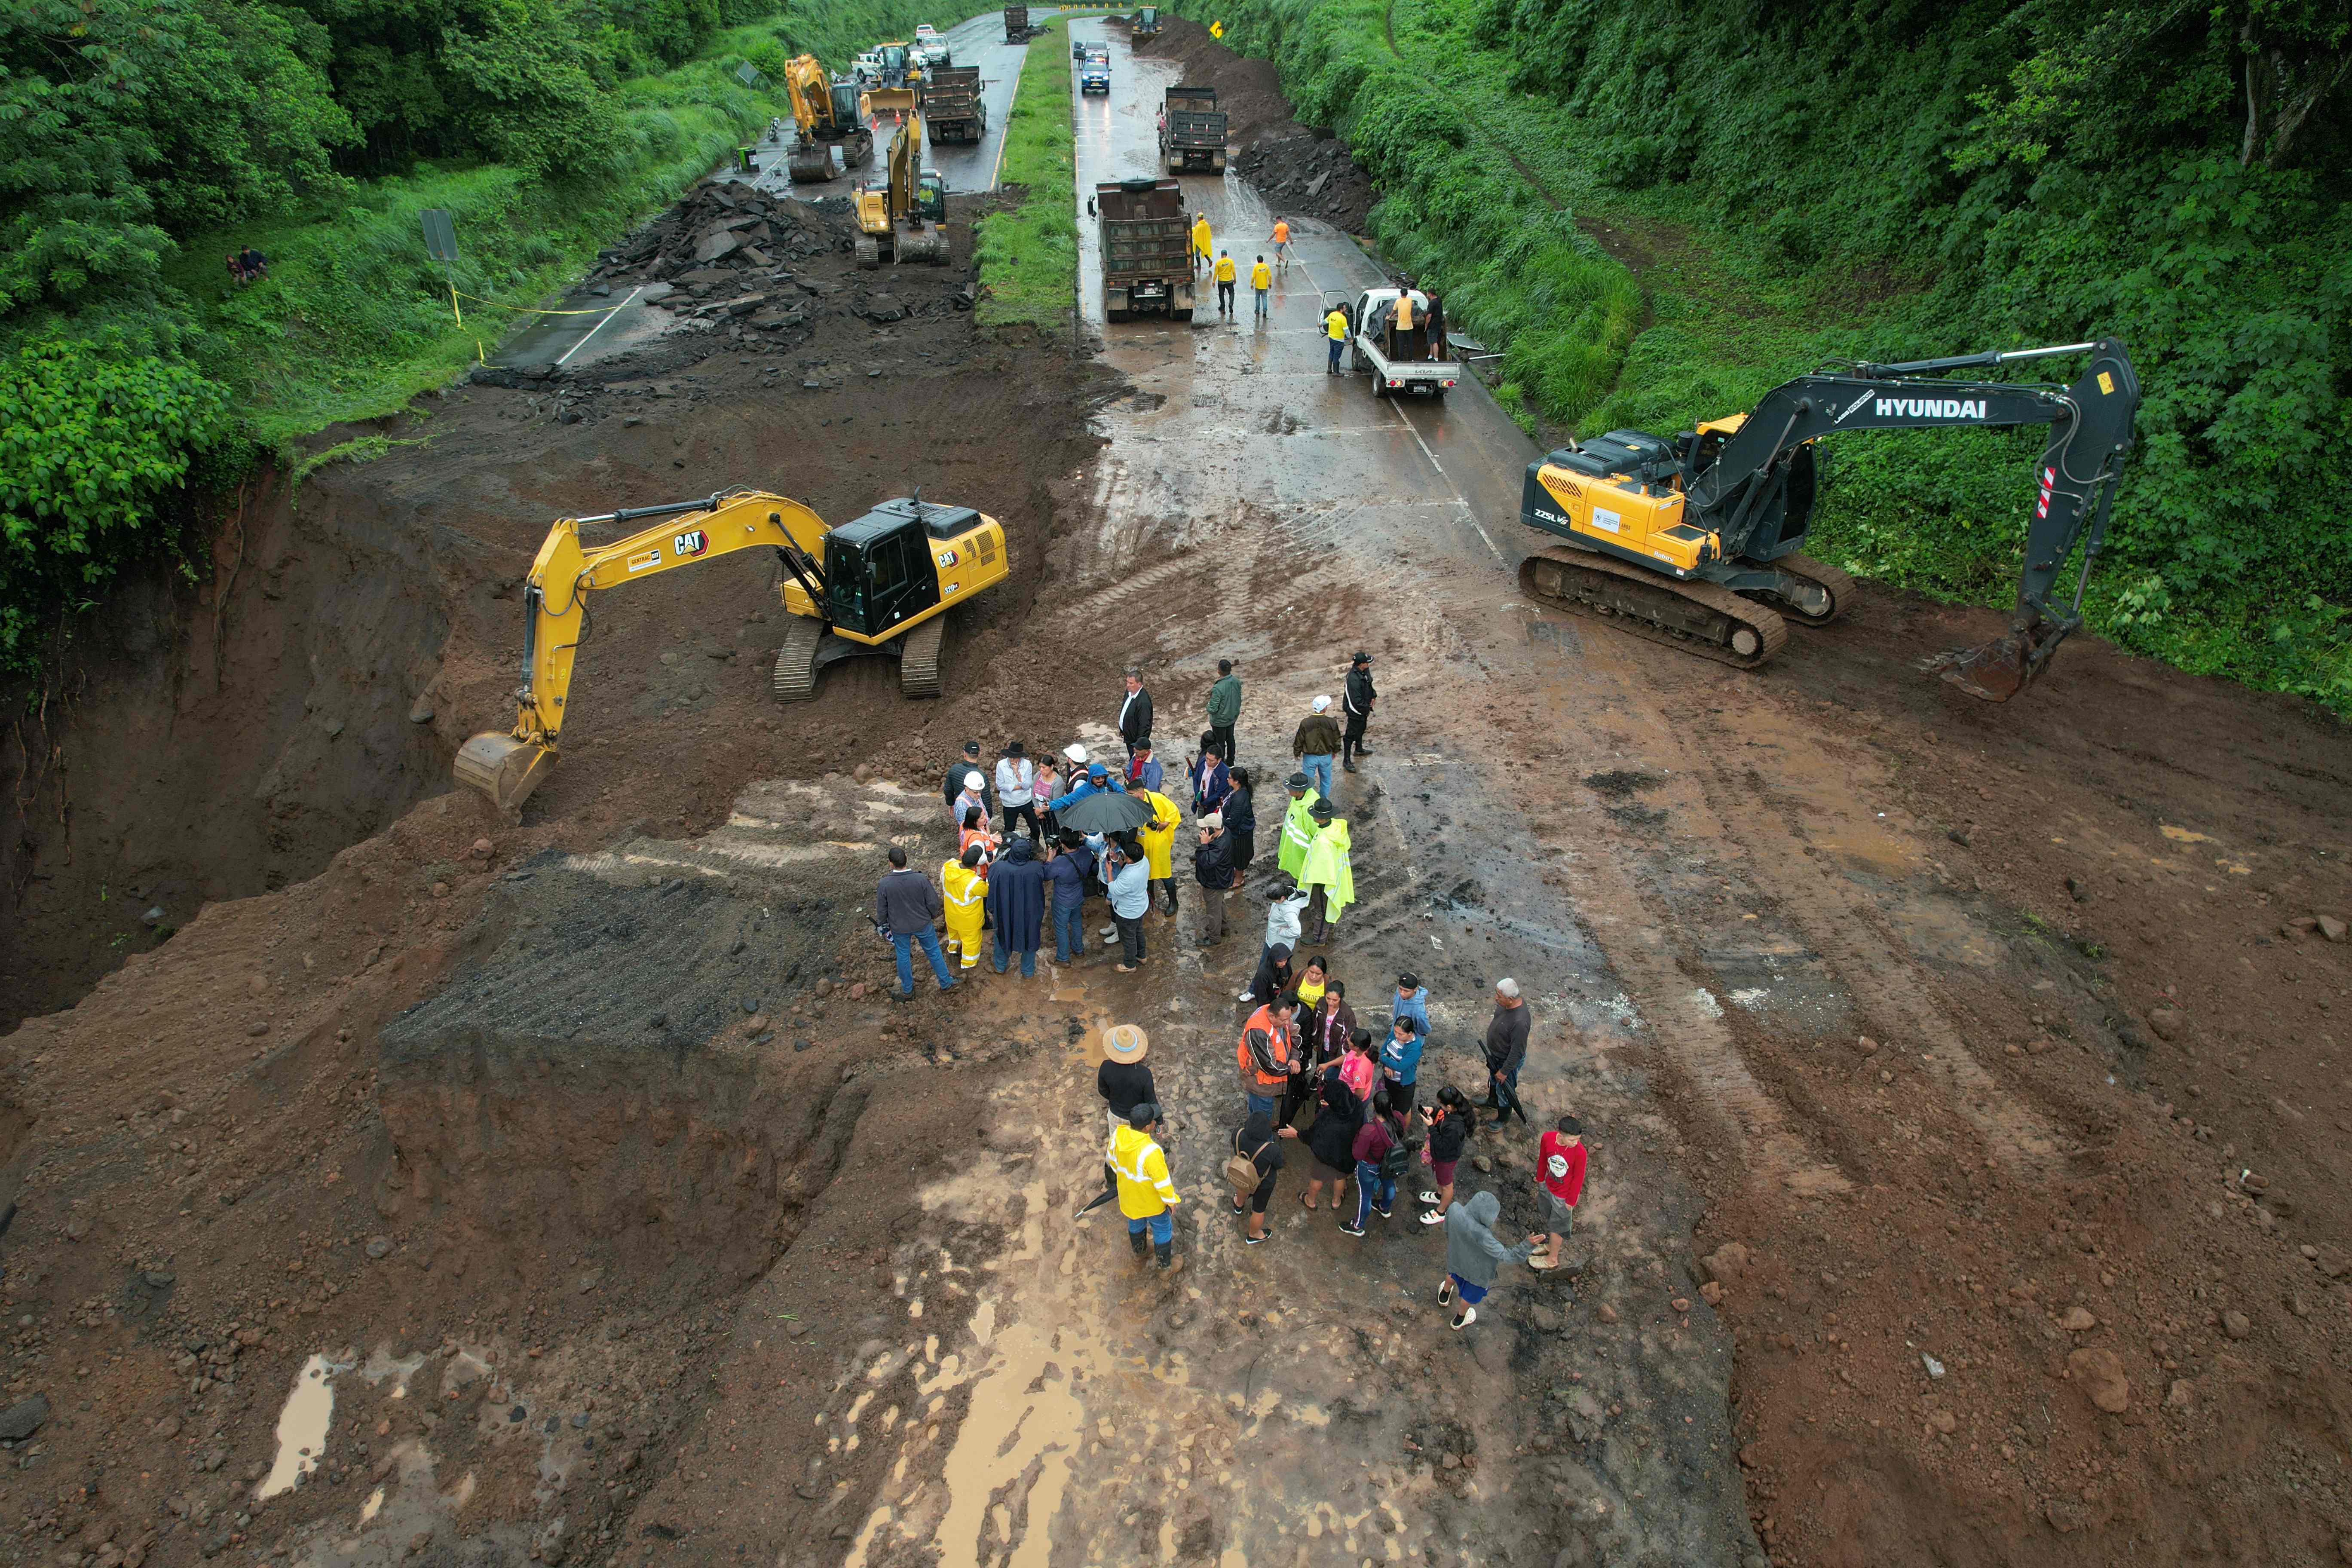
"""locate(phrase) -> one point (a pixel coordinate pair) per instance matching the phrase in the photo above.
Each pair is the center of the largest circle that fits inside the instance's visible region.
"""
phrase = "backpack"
(1241, 1169)
(1399, 1156)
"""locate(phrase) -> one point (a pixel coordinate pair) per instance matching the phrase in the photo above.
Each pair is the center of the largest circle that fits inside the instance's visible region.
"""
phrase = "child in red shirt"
(1559, 1182)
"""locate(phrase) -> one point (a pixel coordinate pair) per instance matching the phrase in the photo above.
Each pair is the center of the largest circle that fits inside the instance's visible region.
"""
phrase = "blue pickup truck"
(1094, 71)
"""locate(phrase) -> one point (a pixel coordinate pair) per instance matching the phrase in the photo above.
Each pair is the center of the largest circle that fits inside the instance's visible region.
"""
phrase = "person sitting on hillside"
(249, 265)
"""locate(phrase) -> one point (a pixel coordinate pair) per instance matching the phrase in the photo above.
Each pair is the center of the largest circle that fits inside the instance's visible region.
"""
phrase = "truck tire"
(1183, 315)
(1119, 315)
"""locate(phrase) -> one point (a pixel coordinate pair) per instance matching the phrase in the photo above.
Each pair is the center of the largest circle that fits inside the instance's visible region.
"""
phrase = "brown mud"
(1971, 1078)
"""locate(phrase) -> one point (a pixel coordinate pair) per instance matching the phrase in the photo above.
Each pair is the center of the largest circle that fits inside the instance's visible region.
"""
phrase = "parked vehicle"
(1400, 360)
(1192, 131)
(952, 102)
(1147, 258)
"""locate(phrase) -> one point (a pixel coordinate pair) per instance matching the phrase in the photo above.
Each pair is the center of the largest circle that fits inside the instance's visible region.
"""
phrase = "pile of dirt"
(1303, 171)
(1309, 174)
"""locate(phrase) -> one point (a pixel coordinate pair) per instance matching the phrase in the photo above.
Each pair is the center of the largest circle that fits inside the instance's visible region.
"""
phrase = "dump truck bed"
(1146, 247)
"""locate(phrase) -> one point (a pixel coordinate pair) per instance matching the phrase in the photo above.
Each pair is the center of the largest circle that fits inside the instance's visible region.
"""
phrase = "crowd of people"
(1350, 1106)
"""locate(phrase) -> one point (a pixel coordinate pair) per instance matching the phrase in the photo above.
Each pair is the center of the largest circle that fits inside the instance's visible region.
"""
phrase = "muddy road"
(1965, 1085)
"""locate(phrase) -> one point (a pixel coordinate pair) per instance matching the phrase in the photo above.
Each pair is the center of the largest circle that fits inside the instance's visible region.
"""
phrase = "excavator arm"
(565, 574)
(1738, 485)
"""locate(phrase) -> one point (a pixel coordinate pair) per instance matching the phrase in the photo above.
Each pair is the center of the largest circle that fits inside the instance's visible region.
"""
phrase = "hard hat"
(973, 781)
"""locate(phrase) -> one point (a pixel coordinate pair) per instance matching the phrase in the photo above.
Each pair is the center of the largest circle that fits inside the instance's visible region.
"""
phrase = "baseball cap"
(1321, 704)
(1213, 821)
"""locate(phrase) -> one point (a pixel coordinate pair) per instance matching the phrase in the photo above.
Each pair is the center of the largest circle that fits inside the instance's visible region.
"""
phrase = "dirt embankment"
(212, 741)
(1302, 171)
(229, 1157)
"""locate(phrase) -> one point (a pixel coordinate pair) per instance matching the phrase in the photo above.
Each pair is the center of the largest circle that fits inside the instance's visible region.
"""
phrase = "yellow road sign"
(1216, 29)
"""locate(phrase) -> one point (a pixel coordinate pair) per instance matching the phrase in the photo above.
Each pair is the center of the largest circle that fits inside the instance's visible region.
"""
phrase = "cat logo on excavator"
(690, 544)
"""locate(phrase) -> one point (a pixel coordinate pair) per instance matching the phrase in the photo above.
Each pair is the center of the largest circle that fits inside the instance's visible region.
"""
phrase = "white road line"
(1004, 132)
(599, 327)
(1459, 499)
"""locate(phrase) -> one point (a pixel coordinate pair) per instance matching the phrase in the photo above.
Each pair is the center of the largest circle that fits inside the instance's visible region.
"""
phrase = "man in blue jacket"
(1400, 1061)
(1067, 874)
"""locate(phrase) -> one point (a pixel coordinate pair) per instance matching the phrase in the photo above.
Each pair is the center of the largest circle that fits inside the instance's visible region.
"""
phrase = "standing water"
(302, 1426)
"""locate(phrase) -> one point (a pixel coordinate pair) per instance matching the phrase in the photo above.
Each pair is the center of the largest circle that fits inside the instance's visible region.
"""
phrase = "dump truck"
(951, 103)
(1192, 131)
(1146, 249)
(1016, 25)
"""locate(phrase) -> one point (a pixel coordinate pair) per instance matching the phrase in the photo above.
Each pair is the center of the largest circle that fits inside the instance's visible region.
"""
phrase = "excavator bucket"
(811, 162)
(502, 769)
(2000, 670)
(889, 100)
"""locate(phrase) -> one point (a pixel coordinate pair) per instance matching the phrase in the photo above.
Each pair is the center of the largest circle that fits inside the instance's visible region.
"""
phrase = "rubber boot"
(1136, 1240)
(1167, 1255)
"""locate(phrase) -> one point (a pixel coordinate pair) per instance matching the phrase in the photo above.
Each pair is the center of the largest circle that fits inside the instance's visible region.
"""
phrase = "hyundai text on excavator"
(825, 113)
(1695, 541)
(903, 216)
(881, 584)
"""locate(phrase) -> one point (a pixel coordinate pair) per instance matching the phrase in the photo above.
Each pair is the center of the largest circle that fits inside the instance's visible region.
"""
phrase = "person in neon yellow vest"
(1329, 878)
(1298, 824)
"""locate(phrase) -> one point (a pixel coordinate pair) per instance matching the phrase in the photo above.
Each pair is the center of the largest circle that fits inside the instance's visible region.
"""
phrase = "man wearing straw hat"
(1122, 1080)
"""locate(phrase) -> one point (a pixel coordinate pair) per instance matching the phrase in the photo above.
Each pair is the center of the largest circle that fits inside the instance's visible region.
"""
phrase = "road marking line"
(1459, 499)
(599, 327)
(1004, 132)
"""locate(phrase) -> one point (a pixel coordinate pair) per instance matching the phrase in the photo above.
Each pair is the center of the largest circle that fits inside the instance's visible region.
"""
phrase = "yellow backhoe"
(881, 584)
(825, 114)
(903, 216)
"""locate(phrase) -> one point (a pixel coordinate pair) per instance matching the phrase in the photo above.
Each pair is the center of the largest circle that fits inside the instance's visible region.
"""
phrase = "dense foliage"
(1889, 178)
(142, 141)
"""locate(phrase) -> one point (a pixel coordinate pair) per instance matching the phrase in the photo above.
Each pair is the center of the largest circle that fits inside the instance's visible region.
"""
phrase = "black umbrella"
(1104, 811)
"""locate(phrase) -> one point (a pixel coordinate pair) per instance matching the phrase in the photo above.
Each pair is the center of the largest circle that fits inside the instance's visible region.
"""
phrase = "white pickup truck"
(1397, 362)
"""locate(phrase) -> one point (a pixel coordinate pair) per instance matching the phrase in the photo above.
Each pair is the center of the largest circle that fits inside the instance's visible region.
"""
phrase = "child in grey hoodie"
(1472, 1254)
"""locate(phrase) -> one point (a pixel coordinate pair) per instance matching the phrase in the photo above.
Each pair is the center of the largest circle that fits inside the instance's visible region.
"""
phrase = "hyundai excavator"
(1695, 541)
(882, 584)
(825, 113)
(903, 216)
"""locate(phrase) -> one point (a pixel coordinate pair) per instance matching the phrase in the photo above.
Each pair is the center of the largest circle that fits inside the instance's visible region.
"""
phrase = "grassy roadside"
(1029, 255)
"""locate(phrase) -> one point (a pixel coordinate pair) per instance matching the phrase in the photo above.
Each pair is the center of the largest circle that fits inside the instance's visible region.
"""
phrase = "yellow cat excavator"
(903, 216)
(881, 584)
(1695, 541)
(824, 113)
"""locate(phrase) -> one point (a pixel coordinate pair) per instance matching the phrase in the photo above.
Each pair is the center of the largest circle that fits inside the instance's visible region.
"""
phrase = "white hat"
(1076, 752)
(1213, 821)
(973, 781)
(1321, 703)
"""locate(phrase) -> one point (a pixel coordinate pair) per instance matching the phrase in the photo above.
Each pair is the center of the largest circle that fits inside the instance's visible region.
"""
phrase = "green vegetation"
(1795, 186)
(141, 141)
(1029, 255)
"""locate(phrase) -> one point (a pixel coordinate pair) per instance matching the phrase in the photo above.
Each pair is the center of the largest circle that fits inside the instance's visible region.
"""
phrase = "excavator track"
(1698, 618)
(1841, 589)
(919, 658)
(796, 679)
(869, 253)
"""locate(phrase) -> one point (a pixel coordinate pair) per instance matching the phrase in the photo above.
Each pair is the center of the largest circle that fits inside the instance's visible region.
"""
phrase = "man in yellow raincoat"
(1201, 256)
(1159, 837)
(1329, 880)
(1298, 824)
(964, 889)
(1145, 1193)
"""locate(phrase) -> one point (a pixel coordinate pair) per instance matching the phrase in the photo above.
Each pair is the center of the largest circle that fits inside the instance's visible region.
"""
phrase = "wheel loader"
(824, 113)
(881, 584)
(903, 216)
(1695, 541)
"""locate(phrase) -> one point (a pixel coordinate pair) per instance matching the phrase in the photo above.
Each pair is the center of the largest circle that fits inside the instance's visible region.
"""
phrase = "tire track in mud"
(1891, 984)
